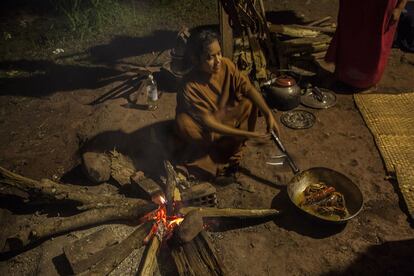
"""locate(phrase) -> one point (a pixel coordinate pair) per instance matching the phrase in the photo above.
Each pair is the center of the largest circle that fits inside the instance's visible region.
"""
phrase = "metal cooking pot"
(341, 183)
(283, 92)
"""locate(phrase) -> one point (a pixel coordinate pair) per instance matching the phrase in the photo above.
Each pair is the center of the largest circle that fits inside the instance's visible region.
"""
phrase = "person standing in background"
(363, 40)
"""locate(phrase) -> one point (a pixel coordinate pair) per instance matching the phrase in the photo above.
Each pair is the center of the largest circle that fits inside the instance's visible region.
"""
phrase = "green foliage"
(75, 25)
(85, 16)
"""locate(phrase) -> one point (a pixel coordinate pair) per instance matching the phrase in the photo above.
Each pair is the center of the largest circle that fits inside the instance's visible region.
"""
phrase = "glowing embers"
(164, 225)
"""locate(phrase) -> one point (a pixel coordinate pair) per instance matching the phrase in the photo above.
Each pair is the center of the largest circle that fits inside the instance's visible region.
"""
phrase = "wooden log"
(319, 21)
(57, 191)
(308, 40)
(91, 217)
(327, 30)
(191, 226)
(230, 212)
(226, 32)
(122, 167)
(197, 257)
(146, 185)
(300, 30)
(307, 49)
(171, 184)
(87, 251)
(292, 31)
(319, 55)
(148, 263)
(114, 255)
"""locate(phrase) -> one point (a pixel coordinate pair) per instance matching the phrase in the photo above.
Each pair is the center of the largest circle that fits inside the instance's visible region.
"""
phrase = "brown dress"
(223, 94)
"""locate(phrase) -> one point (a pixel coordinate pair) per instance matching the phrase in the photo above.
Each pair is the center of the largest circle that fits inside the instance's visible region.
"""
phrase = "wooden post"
(226, 32)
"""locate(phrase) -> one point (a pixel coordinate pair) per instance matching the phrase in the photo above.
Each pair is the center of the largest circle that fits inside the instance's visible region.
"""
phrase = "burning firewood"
(170, 185)
(193, 254)
(146, 185)
(98, 208)
(149, 259)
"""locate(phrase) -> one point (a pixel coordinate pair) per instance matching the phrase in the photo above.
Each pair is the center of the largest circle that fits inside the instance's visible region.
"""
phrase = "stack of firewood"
(96, 254)
(305, 41)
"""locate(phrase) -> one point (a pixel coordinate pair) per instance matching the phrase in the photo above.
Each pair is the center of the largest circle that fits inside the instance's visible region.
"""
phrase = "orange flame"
(163, 225)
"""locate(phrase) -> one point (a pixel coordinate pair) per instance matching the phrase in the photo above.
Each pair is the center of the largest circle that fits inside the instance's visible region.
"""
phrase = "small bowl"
(352, 194)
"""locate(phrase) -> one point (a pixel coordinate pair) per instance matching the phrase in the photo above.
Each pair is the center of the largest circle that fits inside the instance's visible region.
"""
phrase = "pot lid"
(324, 99)
(285, 81)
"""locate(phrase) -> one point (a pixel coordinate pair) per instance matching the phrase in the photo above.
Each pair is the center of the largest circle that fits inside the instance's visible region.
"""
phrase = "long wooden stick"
(300, 30)
(307, 48)
(170, 185)
(323, 38)
(292, 31)
(230, 212)
(329, 30)
(319, 21)
(149, 259)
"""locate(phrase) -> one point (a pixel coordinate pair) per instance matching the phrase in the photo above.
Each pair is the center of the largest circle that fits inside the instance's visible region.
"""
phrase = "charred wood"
(197, 257)
(114, 255)
(171, 184)
(87, 251)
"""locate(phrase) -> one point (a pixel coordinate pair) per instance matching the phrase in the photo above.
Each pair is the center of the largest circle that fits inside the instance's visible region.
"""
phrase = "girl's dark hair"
(199, 41)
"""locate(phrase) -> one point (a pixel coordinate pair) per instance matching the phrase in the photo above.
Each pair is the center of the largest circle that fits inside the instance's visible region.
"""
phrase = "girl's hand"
(271, 124)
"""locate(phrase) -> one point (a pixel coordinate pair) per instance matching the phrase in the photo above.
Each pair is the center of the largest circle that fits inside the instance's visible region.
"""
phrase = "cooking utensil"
(298, 119)
(283, 92)
(341, 183)
(318, 98)
(283, 149)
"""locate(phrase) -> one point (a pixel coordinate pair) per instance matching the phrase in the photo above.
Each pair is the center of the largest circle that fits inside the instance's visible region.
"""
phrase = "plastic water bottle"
(152, 93)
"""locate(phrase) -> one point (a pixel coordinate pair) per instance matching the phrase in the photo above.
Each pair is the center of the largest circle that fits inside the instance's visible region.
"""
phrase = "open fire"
(164, 224)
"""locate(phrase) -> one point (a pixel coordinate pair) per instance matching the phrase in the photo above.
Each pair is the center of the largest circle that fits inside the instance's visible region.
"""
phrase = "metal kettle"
(283, 92)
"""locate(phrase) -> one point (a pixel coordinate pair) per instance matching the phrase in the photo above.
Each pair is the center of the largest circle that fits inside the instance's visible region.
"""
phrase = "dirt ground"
(45, 122)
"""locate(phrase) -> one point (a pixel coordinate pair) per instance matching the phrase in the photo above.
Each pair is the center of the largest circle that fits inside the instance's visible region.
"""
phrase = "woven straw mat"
(406, 184)
(390, 117)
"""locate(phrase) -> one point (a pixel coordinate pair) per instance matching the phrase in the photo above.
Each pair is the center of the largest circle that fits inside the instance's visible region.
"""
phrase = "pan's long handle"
(292, 164)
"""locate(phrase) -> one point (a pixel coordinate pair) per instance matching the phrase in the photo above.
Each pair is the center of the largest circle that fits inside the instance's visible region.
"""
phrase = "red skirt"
(362, 42)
